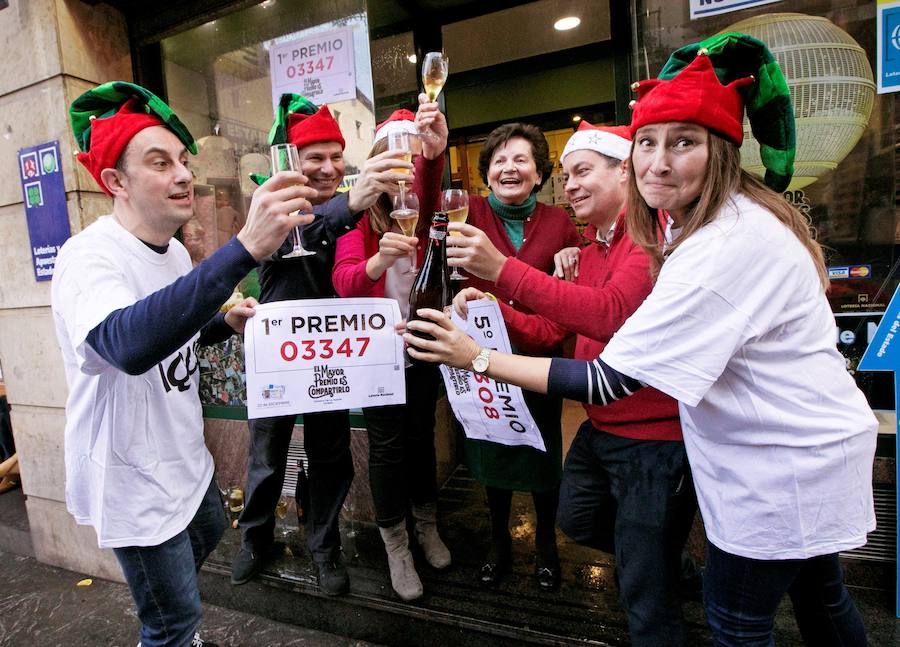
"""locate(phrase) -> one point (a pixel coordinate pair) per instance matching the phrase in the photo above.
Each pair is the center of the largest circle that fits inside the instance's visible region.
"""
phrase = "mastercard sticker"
(843, 272)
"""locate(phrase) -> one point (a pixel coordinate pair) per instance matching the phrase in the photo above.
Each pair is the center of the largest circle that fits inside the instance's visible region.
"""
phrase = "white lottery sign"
(323, 355)
(487, 409)
(320, 67)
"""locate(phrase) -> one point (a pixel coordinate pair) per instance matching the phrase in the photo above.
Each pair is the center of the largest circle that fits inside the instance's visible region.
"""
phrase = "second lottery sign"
(323, 355)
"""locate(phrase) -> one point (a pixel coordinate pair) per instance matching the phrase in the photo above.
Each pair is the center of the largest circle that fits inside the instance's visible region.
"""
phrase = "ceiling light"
(576, 118)
(569, 22)
(412, 58)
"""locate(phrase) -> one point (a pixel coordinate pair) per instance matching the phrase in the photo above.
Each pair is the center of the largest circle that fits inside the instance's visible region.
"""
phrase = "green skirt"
(521, 468)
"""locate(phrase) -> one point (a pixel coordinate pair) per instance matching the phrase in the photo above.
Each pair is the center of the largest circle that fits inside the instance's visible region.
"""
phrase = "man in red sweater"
(626, 485)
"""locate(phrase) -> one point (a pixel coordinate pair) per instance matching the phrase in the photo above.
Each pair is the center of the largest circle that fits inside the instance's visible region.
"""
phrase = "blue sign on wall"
(45, 205)
(888, 46)
(883, 354)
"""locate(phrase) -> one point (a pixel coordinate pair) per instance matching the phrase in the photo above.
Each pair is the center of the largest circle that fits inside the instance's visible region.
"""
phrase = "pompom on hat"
(612, 141)
(107, 117)
(710, 83)
(401, 120)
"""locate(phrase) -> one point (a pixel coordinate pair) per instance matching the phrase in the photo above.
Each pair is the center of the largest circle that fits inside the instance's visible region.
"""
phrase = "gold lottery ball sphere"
(832, 89)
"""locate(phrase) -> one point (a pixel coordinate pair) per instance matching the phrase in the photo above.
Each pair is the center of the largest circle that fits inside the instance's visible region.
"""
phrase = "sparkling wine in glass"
(234, 496)
(406, 214)
(434, 73)
(286, 158)
(456, 203)
(400, 141)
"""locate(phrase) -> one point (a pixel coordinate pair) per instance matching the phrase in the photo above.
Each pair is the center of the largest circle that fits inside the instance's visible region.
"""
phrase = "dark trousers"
(742, 595)
(635, 499)
(7, 445)
(326, 439)
(402, 464)
(163, 578)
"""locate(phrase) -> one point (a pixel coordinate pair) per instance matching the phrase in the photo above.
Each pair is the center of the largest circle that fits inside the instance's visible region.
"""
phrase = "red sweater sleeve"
(349, 272)
(594, 312)
(532, 334)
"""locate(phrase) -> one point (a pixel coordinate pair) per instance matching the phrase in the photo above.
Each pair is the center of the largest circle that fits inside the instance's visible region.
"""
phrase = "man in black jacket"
(326, 435)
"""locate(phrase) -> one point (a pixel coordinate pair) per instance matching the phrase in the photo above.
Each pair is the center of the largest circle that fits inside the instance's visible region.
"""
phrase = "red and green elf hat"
(301, 122)
(710, 83)
(106, 118)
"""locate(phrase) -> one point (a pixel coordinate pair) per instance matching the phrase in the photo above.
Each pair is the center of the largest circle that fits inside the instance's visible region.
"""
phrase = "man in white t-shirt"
(129, 313)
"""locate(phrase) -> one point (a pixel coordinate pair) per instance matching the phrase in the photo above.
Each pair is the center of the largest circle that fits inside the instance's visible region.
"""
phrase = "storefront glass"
(845, 176)
(223, 79)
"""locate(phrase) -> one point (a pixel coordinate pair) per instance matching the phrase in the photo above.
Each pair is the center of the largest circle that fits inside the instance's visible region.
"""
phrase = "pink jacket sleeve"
(349, 273)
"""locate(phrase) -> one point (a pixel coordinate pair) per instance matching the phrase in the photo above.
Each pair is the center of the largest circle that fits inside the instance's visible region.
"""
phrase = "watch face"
(480, 363)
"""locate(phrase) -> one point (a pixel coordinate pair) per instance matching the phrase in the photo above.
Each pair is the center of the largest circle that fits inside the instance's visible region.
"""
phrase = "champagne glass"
(456, 203)
(234, 497)
(286, 158)
(434, 73)
(400, 141)
(406, 214)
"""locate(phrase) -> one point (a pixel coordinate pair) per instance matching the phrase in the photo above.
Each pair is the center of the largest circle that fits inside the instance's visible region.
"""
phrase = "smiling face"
(153, 186)
(323, 164)
(512, 173)
(669, 165)
(595, 187)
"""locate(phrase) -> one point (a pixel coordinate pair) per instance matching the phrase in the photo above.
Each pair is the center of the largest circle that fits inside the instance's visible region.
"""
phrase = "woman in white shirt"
(739, 331)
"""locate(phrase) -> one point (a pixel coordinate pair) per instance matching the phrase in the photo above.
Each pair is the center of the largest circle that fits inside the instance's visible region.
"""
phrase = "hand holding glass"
(456, 203)
(406, 213)
(286, 158)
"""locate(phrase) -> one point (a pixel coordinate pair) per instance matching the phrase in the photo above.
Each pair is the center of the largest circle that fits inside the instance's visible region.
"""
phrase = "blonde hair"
(724, 176)
(380, 212)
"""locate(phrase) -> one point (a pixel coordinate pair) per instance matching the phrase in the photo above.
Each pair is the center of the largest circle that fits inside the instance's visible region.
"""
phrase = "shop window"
(223, 78)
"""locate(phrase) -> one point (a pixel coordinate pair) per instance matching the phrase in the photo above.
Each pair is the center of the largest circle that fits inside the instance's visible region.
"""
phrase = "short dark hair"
(532, 134)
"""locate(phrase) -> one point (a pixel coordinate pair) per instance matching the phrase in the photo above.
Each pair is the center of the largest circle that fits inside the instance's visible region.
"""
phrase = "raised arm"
(595, 312)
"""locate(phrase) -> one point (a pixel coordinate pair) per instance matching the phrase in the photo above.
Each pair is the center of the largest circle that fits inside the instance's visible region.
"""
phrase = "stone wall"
(54, 50)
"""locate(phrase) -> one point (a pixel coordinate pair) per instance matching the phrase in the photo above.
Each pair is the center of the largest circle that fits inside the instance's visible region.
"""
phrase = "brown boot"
(404, 579)
(435, 550)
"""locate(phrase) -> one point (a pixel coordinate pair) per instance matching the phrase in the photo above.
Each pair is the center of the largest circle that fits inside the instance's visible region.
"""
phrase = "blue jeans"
(633, 498)
(163, 578)
(742, 595)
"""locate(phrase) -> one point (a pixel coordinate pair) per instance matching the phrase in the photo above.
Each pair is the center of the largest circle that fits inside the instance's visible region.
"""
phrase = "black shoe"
(333, 578)
(246, 565)
(547, 576)
(495, 565)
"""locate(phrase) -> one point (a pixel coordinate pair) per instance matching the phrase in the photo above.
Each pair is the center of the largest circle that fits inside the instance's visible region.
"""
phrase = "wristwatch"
(481, 361)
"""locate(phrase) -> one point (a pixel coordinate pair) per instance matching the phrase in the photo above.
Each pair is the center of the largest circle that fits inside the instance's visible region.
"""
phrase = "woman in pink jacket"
(373, 260)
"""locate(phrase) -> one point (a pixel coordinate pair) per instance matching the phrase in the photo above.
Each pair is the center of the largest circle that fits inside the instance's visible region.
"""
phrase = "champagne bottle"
(301, 494)
(431, 289)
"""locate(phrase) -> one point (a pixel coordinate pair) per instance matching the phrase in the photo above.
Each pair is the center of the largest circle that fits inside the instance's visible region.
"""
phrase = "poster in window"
(320, 67)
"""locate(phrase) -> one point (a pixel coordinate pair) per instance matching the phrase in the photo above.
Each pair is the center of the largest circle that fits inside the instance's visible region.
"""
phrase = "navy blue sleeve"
(215, 331)
(333, 220)
(136, 338)
(593, 382)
